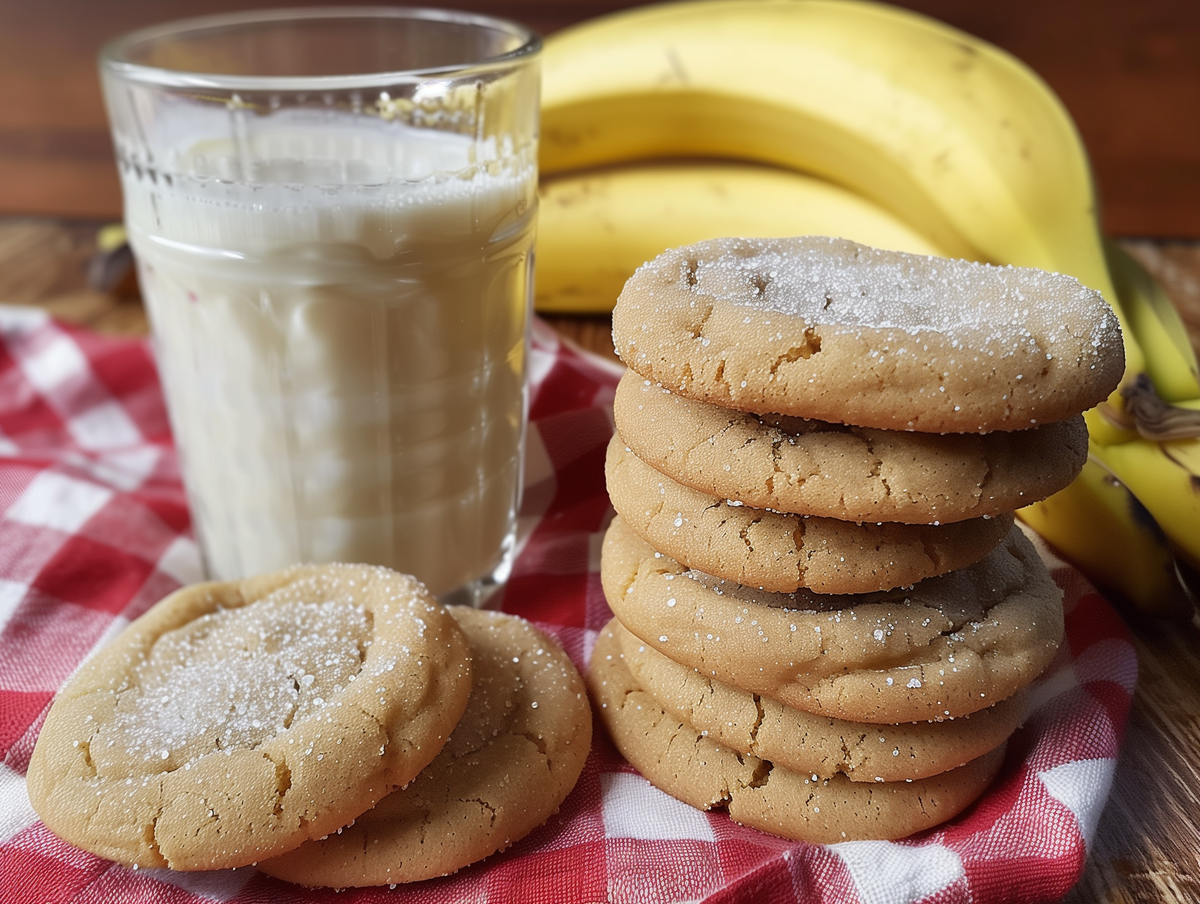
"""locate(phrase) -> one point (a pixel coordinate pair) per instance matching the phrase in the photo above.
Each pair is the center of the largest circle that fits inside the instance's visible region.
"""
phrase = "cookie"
(783, 552)
(948, 647)
(825, 328)
(811, 744)
(697, 770)
(233, 721)
(514, 757)
(852, 473)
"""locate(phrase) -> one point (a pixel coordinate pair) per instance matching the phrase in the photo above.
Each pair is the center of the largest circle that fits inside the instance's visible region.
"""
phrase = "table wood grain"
(1147, 846)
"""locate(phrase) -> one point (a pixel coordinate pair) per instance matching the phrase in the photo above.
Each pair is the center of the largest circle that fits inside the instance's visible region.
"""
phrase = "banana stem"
(1149, 415)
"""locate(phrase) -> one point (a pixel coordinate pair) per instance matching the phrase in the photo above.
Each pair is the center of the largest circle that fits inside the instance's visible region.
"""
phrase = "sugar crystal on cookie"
(236, 677)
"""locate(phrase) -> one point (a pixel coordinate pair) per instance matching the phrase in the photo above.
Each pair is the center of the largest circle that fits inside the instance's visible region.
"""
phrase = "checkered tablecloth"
(95, 529)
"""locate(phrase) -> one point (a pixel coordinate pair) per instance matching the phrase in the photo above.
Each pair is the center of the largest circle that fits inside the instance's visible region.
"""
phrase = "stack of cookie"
(825, 618)
(333, 725)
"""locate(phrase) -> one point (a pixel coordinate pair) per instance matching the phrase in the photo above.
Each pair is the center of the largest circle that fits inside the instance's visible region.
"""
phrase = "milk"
(340, 316)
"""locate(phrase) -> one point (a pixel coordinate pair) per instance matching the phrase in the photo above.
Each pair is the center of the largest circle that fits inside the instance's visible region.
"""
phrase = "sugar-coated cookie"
(826, 328)
(783, 552)
(514, 757)
(851, 473)
(948, 647)
(233, 721)
(804, 807)
(811, 744)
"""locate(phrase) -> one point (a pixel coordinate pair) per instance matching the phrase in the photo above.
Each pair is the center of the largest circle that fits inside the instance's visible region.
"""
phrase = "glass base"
(478, 592)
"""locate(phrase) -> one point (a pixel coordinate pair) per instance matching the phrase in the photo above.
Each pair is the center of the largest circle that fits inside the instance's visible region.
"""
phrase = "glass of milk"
(333, 216)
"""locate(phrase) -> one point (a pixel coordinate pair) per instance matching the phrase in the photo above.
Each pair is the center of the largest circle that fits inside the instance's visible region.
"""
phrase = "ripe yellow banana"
(946, 131)
(1165, 477)
(596, 228)
(1157, 326)
(1105, 525)
(1161, 466)
(1103, 528)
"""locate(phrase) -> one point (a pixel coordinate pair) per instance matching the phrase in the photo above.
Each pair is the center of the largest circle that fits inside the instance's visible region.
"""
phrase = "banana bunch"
(876, 124)
(595, 228)
(1131, 521)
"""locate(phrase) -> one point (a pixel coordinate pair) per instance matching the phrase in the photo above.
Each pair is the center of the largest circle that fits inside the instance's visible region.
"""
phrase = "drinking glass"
(333, 213)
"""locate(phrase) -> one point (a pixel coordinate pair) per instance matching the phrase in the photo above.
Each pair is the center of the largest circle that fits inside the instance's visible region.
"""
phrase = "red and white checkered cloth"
(95, 529)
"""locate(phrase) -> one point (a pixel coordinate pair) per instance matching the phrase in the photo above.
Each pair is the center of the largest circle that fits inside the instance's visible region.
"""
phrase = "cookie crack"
(283, 780)
(747, 442)
(809, 346)
(85, 748)
(627, 582)
(625, 695)
(931, 551)
(696, 742)
(426, 819)
(388, 740)
(685, 374)
(698, 329)
(776, 443)
(652, 513)
(844, 765)
(707, 694)
(877, 469)
(688, 455)
(744, 534)
(719, 377)
(93, 808)
(761, 774)
(150, 833)
(758, 719)
(360, 645)
(798, 543)
(848, 763)
(484, 805)
(988, 470)
(374, 718)
(537, 741)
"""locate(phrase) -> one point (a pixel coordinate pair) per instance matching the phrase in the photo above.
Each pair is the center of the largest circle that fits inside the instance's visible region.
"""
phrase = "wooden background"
(1128, 70)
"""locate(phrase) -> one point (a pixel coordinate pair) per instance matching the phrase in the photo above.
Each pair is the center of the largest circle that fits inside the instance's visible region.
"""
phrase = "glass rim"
(113, 55)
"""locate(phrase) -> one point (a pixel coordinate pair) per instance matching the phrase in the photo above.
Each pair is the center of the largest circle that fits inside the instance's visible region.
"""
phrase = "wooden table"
(1147, 849)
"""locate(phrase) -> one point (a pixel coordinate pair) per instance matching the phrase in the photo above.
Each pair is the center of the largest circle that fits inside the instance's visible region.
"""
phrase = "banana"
(1165, 477)
(1161, 466)
(1103, 528)
(596, 228)
(949, 133)
(1138, 532)
(1156, 324)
